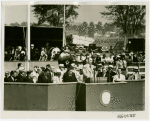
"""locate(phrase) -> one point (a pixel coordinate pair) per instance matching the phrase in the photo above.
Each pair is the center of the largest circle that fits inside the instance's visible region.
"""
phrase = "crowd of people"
(88, 69)
(15, 53)
(19, 54)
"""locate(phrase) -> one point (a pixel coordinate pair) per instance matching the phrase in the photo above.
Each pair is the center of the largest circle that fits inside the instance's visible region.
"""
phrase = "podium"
(119, 96)
(40, 96)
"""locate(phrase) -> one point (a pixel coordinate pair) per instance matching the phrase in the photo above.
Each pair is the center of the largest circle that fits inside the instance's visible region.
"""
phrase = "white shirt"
(56, 79)
(117, 78)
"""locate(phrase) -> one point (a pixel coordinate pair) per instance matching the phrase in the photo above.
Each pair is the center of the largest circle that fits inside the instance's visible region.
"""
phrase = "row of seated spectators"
(86, 72)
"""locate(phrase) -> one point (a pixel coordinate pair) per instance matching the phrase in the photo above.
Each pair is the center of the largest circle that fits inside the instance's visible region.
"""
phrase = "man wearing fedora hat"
(135, 75)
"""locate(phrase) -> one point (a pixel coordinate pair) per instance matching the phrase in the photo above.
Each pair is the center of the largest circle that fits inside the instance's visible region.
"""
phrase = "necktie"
(12, 78)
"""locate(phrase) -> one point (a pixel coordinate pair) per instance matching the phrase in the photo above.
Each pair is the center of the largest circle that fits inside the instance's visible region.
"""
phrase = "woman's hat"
(135, 69)
(110, 66)
(61, 65)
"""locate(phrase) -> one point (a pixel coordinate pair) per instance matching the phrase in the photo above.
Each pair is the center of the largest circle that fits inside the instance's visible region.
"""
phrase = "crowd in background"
(15, 53)
(87, 68)
(47, 54)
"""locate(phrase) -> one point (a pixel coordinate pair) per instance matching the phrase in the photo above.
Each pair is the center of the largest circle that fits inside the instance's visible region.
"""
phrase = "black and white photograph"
(76, 57)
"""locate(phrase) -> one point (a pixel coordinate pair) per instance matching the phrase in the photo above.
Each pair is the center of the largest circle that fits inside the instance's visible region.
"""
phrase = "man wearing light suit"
(88, 72)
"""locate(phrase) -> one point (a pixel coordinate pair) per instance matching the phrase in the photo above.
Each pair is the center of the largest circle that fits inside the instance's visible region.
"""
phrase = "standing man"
(20, 67)
(69, 75)
(110, 74)
(88, 72)
(33, 54)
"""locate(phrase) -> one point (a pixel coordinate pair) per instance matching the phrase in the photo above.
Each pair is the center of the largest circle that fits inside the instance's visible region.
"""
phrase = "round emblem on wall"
(105, 97)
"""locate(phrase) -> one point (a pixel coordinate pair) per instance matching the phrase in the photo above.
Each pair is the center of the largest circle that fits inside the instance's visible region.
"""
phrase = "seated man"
(21, 77)
(7, 75)
(119, 76)
(135, 75)
(45, 77)
(12, 77)
(29, 77)
(57, 76)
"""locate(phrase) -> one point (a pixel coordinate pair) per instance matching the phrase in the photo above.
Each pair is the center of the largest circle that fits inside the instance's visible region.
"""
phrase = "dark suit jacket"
(110, 76)
(43, 79)
(20, 78)
(11, 80)
(115, 59)
(100, 74)
(135, 59)
(5, 79)
(67, 78)
(29, 80)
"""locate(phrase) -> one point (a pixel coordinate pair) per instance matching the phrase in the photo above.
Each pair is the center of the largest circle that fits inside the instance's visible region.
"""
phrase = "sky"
(90, 13)
(16, 14)
(87, 13)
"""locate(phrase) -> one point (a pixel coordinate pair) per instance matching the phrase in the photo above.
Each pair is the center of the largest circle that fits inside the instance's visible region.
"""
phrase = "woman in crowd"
(43, 56)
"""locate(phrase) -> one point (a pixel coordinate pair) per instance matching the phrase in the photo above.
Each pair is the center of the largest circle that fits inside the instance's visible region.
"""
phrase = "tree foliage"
(91, 29)
(54, 14)
(24, 24)
(15, 24)
(83, 29)
(131, 18)
(99, 26)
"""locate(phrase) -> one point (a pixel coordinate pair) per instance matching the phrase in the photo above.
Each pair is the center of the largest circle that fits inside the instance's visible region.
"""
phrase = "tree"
(131, 18)
(69, 39)
(33, 24)
(83, 28)
(15, 24)
(54, 14)
(99, 25)
(24, 24)
(91, 29)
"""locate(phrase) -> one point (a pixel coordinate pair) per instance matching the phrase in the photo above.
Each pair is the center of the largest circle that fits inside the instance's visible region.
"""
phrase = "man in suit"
(12, 77)
(102, 74)
(6, 76)
(29, 77)
(20, 67)
(21, 77)
(110, 74)
(69, 75)
(45, 77)
(33, 54)
(88, 71)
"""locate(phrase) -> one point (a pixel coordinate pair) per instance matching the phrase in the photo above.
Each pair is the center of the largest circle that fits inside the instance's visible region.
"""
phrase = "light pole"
(64, 36)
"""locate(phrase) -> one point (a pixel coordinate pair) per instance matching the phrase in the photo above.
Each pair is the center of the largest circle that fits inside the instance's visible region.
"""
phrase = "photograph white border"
(75, 114)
